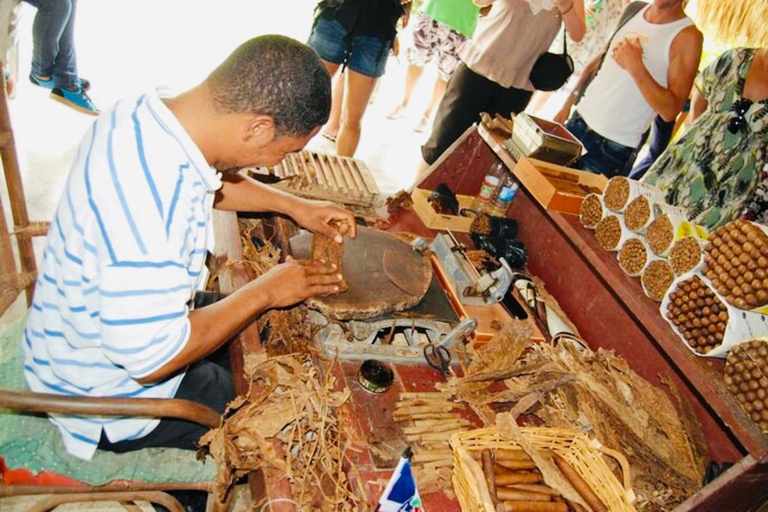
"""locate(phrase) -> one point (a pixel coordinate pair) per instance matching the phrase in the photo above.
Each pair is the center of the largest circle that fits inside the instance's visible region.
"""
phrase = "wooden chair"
(63, 488)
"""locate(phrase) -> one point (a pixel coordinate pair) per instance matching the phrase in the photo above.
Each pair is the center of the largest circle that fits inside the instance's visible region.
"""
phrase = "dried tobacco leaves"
(288, 424)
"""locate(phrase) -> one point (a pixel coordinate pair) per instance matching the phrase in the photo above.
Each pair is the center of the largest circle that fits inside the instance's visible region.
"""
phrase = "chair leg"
(158, 497)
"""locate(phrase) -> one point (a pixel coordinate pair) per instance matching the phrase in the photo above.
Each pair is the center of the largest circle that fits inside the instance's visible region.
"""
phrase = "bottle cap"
(491, 180)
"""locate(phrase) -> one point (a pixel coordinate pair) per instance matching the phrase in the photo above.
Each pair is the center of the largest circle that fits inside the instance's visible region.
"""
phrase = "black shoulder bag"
(552, 70)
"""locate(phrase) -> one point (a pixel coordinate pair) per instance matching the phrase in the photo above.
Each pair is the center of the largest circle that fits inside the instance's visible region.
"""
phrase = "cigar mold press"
(395, 309)
(470, 286)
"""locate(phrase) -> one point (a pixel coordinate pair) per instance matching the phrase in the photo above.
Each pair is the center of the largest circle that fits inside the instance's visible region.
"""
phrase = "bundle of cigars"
(516, 485)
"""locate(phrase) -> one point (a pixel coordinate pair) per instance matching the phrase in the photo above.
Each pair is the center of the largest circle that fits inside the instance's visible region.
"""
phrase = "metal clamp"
(463, 330)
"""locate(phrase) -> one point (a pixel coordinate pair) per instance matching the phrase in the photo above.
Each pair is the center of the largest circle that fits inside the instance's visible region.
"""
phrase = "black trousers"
(209, 382)
(466, 96)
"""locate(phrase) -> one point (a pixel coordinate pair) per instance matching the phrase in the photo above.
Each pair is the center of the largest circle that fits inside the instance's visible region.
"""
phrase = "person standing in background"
(715, 170)
(601, 17)
(647, 70)
(54, 63)
(494, 75)
(440, 29)
(355, 35)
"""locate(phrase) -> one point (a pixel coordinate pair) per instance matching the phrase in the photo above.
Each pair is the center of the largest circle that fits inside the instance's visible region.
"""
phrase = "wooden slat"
(292, 167)
(370, 183)
(349, 177)
(355, 173)
(317, 171)
(329, 176)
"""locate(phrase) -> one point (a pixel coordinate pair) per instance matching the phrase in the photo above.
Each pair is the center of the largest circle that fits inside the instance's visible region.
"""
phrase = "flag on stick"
(401, 494)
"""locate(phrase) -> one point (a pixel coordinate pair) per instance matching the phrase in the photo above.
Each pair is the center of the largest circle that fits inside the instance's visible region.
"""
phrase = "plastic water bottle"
(502, 199)
(489, 188)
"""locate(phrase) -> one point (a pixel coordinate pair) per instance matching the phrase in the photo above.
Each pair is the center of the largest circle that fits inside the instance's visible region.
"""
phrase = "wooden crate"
(435, 220)
(556, 187)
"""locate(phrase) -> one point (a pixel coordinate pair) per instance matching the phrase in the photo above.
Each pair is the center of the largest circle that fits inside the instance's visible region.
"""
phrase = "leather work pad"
(382, 270)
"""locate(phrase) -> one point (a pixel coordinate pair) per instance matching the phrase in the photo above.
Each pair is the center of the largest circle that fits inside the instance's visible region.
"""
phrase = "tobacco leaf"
(288, 423)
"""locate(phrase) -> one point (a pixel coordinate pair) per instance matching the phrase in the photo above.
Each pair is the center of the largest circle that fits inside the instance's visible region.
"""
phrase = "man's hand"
(294, 281)
(316, 216)
(628, 54)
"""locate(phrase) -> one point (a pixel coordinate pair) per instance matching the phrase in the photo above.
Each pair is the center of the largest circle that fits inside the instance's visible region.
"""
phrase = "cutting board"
(383, 272)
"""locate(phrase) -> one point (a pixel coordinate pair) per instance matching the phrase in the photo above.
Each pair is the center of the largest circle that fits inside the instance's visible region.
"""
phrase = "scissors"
(438, 357)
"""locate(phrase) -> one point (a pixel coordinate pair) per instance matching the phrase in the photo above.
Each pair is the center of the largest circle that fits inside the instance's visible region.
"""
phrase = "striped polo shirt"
(125, 253)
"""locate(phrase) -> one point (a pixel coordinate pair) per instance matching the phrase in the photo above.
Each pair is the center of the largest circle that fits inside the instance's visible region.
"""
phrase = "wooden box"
(556, 187)
(435, 220)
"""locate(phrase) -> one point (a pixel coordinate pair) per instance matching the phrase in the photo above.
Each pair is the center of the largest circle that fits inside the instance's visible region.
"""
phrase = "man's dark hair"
(276, 76)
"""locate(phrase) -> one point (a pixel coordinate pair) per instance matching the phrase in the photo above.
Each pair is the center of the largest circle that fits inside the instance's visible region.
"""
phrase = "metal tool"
(471, 286)
(365, 342)
(439, 358)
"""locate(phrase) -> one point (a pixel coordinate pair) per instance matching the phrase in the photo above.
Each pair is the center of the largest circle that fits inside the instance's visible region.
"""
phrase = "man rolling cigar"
(112, 312)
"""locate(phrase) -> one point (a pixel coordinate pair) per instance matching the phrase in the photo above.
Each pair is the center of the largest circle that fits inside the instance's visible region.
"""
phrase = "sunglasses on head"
(739, 122)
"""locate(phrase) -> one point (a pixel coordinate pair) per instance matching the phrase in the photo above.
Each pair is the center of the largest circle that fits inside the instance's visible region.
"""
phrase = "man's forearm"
(211, 327)
(663, 101)
(242, 194)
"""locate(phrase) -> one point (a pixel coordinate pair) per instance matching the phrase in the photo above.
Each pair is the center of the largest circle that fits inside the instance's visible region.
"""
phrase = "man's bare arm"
(684, 58)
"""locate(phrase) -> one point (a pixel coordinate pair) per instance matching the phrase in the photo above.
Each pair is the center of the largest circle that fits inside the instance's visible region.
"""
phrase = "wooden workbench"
(609, 309)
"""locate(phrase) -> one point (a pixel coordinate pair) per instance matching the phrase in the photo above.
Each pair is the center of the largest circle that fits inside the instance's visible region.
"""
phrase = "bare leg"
(331, 128)
(411, 79)
(358, 90)
(540, 99)
(437, 95)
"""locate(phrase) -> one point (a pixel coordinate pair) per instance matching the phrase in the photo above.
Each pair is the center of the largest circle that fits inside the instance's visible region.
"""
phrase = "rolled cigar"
(515, 495)
(539, 488)
(579, 484)
(516, 465)
(531, 506)
(518, 478)
(490, 476)
(576, 507)
(511, 455)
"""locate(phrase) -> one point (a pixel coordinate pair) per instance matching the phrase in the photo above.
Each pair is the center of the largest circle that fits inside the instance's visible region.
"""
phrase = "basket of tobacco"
(508, 468)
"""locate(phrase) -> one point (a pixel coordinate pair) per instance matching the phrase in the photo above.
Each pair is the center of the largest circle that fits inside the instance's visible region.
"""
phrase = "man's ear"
(260, 129)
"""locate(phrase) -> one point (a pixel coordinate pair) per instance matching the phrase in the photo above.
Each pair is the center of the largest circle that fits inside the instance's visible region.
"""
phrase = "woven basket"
(585, 455)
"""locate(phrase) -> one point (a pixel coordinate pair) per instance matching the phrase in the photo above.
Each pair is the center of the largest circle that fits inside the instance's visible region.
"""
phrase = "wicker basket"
(581, 452)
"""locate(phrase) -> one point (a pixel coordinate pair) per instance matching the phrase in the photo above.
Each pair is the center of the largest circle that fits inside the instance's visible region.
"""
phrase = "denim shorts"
(366, 55)
(603, 155)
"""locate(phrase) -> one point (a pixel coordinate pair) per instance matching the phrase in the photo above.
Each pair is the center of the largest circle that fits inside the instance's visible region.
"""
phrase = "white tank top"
(613, 105)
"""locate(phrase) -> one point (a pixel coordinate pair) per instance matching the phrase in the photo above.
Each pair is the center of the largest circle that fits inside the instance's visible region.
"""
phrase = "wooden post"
(15, 189)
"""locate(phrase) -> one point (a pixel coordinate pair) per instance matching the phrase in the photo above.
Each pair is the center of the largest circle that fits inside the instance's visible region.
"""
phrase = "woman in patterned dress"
(714, 170)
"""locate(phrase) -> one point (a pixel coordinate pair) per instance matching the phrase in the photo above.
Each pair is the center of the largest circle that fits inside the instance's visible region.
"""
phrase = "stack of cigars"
(516, 485)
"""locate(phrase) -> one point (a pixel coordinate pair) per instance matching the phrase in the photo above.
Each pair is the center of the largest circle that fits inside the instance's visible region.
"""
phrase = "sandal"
(328, 136)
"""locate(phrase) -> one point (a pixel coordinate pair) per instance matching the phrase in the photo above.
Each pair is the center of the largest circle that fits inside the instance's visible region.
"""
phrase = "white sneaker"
(423, 124)
(397, 113)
